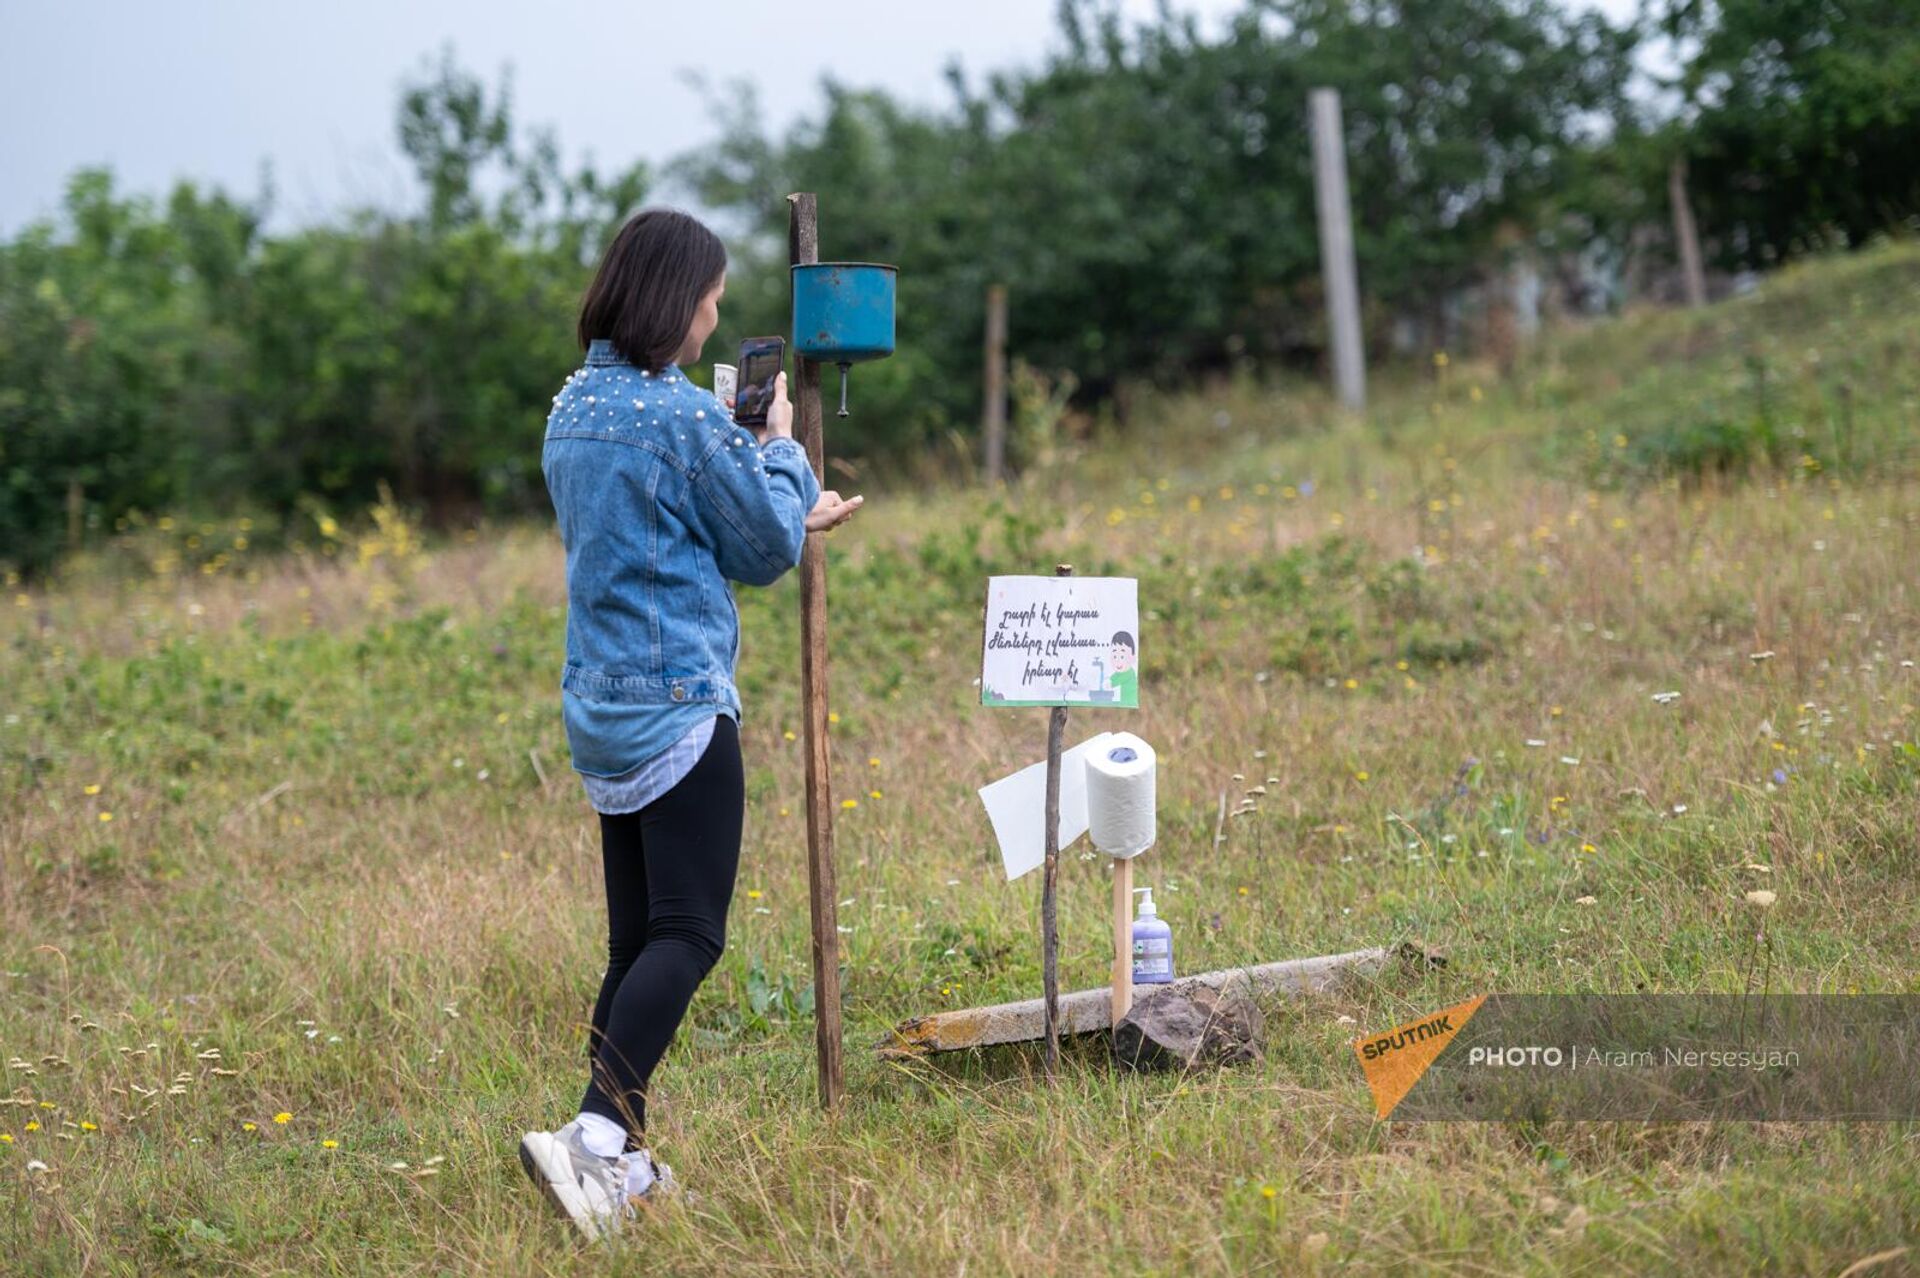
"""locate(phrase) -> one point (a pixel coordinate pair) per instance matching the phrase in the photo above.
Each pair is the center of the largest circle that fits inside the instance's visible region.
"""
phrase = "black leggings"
(670, 871)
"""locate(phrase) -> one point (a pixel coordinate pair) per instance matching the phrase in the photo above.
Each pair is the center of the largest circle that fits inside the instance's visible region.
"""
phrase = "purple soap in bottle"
(1152, 943)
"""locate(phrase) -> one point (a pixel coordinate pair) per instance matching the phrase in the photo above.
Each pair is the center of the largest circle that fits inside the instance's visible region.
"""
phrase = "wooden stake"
(993, 423)
(1336, 247)
(1122, 937)
(803, 246)
(1049, 921)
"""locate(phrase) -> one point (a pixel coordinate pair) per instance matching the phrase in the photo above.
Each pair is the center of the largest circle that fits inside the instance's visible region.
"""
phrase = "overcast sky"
(209, 89)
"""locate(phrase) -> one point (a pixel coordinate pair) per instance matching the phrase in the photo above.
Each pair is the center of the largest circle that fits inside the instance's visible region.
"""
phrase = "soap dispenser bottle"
(1152, 943)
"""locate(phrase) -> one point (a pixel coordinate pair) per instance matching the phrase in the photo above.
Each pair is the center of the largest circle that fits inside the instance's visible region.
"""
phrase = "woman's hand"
(830, 512)
(779, 413)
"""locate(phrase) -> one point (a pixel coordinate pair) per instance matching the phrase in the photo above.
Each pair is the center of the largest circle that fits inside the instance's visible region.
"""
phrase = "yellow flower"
(283, 1118)
(6, 1138)
(873, 761)
(833, 716)
(85, 1126)
(788, 734)
(873, 794)
(249, 1127)
(1588, 847)
(91, 790)
(1352, 684)
(501, 717)
(1360, 775)
(1439, 359)
(783, 811)
(849, 803)
(1268, 1191)
(33, 1124)
(105, 817)
(1243, 891)
(753, 894)
(329, 1144)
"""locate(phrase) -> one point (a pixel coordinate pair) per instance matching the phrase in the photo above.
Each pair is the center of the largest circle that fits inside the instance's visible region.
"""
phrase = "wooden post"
(1049, 921)
(1685, 233)
(1336, 248)
(803, 246)
(1122, 937)
(993, 425)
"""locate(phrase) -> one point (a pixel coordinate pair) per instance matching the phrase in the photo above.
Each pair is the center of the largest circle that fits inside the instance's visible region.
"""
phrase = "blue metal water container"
(843, 311)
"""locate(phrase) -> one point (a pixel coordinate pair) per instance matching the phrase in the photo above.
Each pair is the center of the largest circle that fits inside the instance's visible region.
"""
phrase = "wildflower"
(788, 734)
(1588, 848)
(833, 716)
(105, 817)
(249, 1127)
(283, 1118)
(873, 794)
(1761, 899)
(329, 1144)
(6, 1138)
(1243, 891)
(873, 761)
(91, 790)
(1352, 684)
(849, 803)
(1440, 359)
(1779, 776)
(753, 894)
(1361, 776)
(33, 1125)
(85, 1126)
(1586, 900)
(1268, 1191)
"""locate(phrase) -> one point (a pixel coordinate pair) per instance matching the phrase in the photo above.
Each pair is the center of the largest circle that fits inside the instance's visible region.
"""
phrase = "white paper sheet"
(1017, 806)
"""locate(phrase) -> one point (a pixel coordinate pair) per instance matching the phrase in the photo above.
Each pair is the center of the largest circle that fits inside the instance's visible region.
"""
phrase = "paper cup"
(726, 380)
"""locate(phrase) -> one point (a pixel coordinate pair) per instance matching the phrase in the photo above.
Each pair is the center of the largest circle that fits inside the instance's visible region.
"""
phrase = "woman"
(662, 500)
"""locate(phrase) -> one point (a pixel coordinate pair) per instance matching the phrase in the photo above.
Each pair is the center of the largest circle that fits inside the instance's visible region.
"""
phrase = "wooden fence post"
(993, 425)
(1336, 248)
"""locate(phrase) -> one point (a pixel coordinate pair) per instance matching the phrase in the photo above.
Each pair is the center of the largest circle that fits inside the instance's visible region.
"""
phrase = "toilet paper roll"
(1120, 808)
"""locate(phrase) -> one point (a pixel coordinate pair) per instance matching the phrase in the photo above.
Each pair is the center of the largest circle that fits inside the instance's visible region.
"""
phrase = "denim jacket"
(662, 501)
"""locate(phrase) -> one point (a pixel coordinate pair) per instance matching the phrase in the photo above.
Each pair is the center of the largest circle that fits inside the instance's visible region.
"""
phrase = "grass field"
(300, 911)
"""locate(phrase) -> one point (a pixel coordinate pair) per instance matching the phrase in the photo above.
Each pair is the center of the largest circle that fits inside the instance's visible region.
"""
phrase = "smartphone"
(761, 359)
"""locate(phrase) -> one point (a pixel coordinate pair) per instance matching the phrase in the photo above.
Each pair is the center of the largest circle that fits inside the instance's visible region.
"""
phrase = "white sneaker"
(588, 1188)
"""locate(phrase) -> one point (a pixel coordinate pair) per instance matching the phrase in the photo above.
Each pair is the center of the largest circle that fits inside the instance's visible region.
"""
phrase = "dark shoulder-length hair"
(649, 284)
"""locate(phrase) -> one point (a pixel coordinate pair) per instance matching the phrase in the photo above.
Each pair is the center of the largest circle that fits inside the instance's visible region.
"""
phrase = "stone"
(1182, 1027)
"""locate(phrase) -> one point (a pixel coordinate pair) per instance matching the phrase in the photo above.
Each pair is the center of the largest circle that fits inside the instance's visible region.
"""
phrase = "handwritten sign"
(1054, 641)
